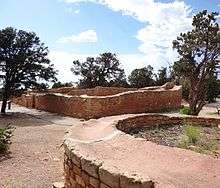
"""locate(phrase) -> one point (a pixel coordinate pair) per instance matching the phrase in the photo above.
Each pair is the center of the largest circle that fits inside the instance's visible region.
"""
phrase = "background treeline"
(105, 70)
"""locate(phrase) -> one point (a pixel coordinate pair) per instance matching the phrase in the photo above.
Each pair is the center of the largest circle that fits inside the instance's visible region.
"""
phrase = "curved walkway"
(36, 158)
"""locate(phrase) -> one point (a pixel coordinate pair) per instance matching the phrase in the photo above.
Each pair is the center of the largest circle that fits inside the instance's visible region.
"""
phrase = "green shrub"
(185, 110)
(191, 136)
(184, 142)
(5, 135)
(193, 133)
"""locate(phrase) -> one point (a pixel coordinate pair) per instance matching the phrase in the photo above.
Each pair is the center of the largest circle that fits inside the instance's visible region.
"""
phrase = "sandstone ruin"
(103, 101)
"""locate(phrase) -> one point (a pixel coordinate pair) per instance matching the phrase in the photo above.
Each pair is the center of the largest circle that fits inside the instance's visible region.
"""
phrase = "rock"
(56, 159)
(58, 185)
(168, 85)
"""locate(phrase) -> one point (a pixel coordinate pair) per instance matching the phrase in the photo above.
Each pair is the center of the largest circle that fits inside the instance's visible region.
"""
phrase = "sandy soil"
(36, 155)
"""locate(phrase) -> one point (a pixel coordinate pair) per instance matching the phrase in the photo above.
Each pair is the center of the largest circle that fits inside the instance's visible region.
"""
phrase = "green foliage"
(59, 84)
(184, 142)
(199, 52)
(185, 88)
(185, 110)
(142, 77)
(193, 133)
(191, 136)
(103, 70)
(23, 62)
(213, 89)
(5, 135)
(162, 76)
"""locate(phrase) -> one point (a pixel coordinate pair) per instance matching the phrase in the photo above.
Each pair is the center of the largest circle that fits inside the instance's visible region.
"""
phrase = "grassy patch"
(185, 110)
(191, 136)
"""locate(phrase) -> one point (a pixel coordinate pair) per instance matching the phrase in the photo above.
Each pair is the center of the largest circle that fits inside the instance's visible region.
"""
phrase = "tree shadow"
(5, 156)
(38, 118)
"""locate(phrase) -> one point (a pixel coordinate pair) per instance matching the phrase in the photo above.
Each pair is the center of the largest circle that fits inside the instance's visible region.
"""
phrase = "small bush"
(185, 110)
(184, 142)
(5, 135)
(191, 136)
(193, 133)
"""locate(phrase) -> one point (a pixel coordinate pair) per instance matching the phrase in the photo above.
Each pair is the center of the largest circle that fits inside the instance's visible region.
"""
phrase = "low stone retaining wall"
(84, 173)
(84, 106)
(128, 124)
(122, 161)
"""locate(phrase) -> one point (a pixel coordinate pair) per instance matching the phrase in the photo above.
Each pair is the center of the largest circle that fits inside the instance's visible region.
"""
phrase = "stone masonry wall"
(87, 107)
(83, 173)
(126, 125)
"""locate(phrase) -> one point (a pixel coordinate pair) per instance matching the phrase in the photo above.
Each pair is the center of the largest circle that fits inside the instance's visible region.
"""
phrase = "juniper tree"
(199, 52)
(142, 77)
(23, 62)
(103, 70)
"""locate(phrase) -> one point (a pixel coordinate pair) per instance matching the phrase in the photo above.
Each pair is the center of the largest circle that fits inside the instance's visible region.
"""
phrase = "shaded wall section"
(85, 106)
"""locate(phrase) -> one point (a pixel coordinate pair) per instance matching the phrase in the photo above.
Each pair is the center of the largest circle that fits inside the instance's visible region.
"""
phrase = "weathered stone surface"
(90, 167)
(58, 185)
(75, 159)
(168, 85)
(77, 170)
(80, 181)
(94, 182)
(128, 182)
(85, 177)
(111, 179)
(104, 186)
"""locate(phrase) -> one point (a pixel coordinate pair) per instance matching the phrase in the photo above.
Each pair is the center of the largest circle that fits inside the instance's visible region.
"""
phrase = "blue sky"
(140, 32)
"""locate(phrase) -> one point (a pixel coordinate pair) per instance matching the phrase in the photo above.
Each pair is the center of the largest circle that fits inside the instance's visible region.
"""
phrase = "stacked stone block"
(83, 173)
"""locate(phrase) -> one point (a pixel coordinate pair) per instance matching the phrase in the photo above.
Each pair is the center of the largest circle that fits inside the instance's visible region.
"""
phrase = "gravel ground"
(36, 155)
(171, 135)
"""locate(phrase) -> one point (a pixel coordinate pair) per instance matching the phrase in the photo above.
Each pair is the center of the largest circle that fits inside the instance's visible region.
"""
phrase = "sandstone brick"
(90, 186)
(80, 181)
(72, 182)
(94, 182)
(79, 186)
(75, 160)
(102, 185)
(58, 185)
(108, 178)
(68, 184)
(66, 170)
(77, 170)
(126, 182)
(85, 177)
(90, 167)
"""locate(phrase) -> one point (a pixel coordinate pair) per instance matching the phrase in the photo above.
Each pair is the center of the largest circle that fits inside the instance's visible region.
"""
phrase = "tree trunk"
(4, 101)
(196, 100)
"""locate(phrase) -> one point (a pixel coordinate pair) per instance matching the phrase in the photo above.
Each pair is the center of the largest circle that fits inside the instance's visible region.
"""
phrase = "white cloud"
(63, 62)
(88, 36)
(76, 11)
(72, 10)
(164, 22)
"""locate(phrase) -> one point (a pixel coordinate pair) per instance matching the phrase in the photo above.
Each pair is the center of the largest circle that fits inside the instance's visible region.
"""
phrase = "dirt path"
(36, 153)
